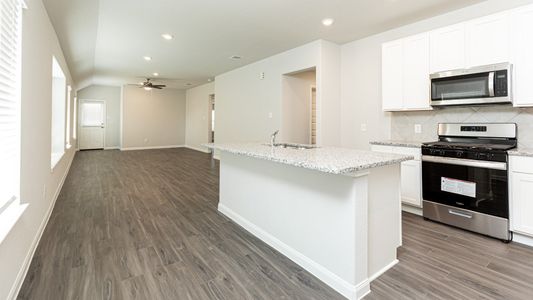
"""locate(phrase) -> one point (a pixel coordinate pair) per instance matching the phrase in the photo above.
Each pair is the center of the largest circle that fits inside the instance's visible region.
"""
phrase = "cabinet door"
(447, 48)
(522, 55)
(416, 73)
(522, 203)
(487, 40)
(411, 183)
(392, 74)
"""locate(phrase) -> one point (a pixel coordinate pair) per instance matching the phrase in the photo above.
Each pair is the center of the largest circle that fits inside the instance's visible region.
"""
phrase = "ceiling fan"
(149, 85)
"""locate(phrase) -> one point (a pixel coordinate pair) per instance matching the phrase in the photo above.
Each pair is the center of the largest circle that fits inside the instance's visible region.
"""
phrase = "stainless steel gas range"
(465, 177)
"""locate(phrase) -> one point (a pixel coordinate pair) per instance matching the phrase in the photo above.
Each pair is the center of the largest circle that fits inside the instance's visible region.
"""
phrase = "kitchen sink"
(295, 146)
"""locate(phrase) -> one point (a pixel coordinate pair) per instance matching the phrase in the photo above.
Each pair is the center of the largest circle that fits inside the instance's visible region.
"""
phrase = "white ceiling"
(104, 41)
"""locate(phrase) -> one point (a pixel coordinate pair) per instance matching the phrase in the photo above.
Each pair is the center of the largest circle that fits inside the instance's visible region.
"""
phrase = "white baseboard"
(345, 288)
(15, 289)
(385, 269)
(205, 150)
(522, 239)
(411, 209)
(151, 147)
(112, 148)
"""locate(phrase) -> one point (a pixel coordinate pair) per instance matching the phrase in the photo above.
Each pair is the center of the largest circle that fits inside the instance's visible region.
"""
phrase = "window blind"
(10, 41)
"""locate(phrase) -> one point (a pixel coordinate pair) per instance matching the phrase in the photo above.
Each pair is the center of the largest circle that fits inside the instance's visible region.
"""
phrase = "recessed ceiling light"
(155, 74)
(167, 36)
(147, 58)
(235, 57)
(328, 22)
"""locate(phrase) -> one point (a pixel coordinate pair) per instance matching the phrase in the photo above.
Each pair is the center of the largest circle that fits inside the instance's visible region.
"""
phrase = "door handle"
(491, 84)
(459, 214)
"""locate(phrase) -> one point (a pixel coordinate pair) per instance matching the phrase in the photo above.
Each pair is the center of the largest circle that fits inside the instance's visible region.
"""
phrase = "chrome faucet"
(273, 138)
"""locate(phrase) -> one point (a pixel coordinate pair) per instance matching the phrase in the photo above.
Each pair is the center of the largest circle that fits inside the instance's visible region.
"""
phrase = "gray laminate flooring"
(144, 225)
(442, 262)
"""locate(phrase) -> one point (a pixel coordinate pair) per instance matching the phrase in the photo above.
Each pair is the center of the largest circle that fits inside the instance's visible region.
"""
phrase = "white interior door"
(92, 124)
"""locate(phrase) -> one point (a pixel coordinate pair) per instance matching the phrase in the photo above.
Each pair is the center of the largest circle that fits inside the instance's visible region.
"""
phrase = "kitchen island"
(334, 211)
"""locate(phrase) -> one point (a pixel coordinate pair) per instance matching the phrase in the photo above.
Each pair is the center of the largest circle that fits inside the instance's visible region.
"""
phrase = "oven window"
(460, 87)
(478, 189)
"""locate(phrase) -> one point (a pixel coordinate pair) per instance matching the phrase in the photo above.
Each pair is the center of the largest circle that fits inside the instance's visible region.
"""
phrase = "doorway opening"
(299, 110)
(92, 124)
(211, 122)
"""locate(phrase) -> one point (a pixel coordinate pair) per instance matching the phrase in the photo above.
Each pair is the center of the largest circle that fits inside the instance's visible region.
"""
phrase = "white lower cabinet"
(411, 179)
(411, 173)
(521, 195)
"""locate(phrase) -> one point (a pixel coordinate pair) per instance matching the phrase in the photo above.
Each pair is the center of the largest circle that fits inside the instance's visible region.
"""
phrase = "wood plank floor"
(144, 225)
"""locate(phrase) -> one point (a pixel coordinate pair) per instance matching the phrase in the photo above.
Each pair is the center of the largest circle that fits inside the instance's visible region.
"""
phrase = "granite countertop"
(408, 144)
(324, 159)
(521, 152)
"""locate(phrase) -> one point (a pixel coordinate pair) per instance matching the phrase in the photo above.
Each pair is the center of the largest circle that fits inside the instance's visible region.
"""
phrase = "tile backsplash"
(403, 123)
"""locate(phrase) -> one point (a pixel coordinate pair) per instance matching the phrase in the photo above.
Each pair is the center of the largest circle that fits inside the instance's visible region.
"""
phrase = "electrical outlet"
(145, 140)
(270, 115)
(418, 128)
(363, 127)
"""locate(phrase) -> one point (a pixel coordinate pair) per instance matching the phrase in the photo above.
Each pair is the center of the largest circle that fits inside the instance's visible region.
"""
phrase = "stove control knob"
(459, 154)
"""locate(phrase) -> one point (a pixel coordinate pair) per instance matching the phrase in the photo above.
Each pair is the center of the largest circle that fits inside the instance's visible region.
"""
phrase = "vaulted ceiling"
(104, 41)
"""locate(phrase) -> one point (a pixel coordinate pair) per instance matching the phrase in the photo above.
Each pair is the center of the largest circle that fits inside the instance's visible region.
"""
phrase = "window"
(10, 31)
(67, 136)
(59, 88)
(10, 58)
(75, 119)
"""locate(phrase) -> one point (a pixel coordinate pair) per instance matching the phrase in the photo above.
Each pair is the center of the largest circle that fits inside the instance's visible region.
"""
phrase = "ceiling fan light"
(147, 88)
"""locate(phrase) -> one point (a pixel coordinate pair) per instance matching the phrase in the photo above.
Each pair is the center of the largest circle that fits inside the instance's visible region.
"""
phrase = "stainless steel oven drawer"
(478, 222)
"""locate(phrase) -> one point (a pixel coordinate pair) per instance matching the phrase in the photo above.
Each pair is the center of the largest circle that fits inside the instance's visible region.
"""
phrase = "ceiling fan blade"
(159, 85)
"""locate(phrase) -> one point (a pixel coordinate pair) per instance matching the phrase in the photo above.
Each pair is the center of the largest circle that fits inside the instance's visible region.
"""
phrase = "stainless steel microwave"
(489, 84)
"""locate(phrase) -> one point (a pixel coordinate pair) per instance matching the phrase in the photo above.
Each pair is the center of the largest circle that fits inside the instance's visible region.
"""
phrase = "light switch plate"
(418, 128)
(363, 127)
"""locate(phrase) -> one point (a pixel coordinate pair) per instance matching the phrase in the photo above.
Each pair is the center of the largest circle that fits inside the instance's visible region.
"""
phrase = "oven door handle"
(466, 162)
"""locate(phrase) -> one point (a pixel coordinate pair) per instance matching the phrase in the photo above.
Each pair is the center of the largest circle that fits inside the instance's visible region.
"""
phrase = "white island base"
(344, 229)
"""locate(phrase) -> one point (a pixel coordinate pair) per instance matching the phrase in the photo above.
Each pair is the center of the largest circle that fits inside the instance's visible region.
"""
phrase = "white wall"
(153, 119)
(112, 97)
(296, 106)
(198, 116)
(361, 73)
(39, 185)
(249, 109)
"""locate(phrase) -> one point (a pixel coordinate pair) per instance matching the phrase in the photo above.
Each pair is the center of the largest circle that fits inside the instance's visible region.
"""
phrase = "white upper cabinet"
(405, 74)
(488, 40)
(522, 55)
(392, 75)
(502, 37)
(447, 48)
(416, 72)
